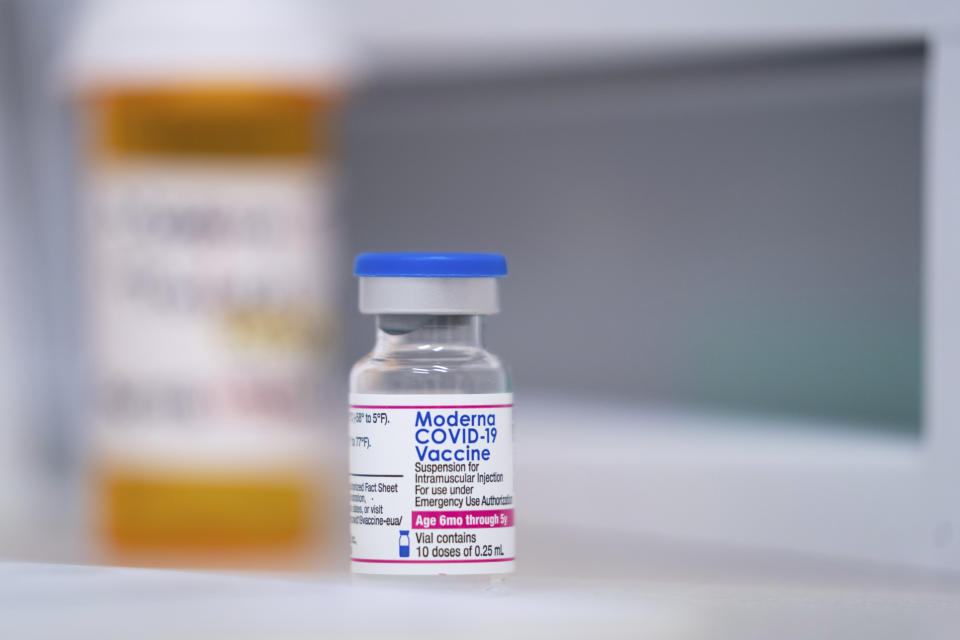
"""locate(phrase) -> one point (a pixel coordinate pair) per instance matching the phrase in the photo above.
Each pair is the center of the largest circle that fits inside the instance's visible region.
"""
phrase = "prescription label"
(431, 483)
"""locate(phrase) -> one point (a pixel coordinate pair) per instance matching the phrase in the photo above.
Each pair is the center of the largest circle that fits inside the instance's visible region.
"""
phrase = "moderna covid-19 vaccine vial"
(431, 424)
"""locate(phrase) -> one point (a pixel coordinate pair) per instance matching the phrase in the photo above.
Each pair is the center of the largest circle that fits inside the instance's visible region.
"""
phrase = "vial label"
(431, 480)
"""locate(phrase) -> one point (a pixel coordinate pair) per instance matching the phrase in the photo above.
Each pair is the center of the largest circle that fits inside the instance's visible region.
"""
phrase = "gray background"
(737, 233)
(741, 234)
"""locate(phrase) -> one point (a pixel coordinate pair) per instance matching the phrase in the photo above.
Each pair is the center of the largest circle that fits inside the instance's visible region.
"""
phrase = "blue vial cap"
(430, 265)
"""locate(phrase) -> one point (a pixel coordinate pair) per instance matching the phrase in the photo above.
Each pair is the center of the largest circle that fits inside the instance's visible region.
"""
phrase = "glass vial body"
(419, 354)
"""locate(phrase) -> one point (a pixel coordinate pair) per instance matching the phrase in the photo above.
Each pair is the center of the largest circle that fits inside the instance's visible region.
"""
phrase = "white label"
(212, 297)
(431, 480)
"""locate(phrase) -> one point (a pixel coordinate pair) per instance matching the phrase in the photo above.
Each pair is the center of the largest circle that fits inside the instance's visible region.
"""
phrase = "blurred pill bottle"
(206, 151)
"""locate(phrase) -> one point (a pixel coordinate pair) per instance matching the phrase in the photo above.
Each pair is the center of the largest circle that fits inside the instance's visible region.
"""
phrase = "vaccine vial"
(431, 421)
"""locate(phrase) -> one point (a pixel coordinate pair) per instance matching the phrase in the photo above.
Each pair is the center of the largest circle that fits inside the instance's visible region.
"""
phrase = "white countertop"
(56, 601)
(580, 572)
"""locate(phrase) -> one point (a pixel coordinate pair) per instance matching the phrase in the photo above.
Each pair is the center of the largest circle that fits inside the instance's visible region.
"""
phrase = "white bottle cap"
(272, 42)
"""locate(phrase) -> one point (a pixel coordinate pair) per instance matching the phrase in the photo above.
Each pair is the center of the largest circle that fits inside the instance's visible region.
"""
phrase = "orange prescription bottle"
(210, 247)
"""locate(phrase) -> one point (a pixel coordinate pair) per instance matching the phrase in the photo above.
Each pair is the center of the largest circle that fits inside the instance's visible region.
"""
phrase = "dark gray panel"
(745, 236)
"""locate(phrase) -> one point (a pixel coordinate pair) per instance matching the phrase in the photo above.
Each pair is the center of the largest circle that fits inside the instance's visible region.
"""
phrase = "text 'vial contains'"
(431, 421)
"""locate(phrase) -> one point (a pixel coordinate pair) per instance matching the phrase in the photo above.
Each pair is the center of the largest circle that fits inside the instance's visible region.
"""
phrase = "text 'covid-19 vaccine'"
(431, 421)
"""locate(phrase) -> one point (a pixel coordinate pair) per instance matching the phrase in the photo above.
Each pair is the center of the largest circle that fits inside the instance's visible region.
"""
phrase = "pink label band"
(441, 406)
(479, 519)
(378, 561)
